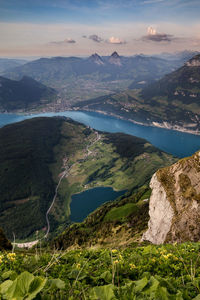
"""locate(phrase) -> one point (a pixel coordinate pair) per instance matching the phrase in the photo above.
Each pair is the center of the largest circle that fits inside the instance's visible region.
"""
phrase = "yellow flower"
(175, 258)
(116, 261)
(132, 266)
(11, 256)
(114, 251)
(78, 266)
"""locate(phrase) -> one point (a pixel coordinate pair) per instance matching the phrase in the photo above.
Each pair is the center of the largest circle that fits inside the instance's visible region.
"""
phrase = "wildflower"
(175, 258)
(120, 257)
(116, 261)
(114, 251)
(1, 259)
(78, 266)
(132, 266)
(11, 256)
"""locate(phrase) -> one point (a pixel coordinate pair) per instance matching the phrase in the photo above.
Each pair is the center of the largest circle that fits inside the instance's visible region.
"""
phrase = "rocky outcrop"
(161, 214)
(175, 203)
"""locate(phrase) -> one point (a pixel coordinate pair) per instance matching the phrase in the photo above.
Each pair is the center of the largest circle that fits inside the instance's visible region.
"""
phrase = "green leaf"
(76, 274)
(35, 287)
(103, 293)
(19, 288)
(154, 283)
(5, 286)
(9, 275)
(56, 283)
(179, 296)
(162, 293)
(106, 276)
(25, 286)
(197, 297)
(140, 284)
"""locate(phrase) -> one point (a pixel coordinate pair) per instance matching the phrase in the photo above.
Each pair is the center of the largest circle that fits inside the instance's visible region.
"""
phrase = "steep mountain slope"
(172, 102)
(178, 94)
(23, 94)
(38, 154)
(174, 203)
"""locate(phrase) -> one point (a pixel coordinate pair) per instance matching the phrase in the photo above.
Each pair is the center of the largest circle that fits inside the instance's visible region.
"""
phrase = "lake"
(177, 143)
(84, 203)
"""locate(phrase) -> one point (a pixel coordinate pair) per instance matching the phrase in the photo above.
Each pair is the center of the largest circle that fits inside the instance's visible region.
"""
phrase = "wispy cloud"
(66, 41)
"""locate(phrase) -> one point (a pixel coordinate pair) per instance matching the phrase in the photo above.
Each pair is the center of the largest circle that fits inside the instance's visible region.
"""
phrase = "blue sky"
(81, 27)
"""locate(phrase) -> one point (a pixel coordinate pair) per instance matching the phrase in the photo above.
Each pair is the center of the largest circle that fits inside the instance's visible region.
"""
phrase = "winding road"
(65, 174)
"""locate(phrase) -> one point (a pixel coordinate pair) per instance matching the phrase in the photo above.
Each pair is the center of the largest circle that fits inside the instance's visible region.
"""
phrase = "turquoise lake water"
(84, 203)
(177, 143)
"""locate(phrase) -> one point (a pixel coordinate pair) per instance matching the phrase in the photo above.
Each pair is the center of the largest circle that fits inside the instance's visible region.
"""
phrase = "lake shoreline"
(164, 125)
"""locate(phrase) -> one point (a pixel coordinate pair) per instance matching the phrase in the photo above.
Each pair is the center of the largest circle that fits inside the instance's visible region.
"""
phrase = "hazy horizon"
(80, 28)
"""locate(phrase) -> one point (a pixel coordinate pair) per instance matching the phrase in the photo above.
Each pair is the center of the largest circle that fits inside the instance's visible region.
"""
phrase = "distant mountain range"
(7, 63)
(24, 94)
(103, 73)
(181, 56)
(172, 102)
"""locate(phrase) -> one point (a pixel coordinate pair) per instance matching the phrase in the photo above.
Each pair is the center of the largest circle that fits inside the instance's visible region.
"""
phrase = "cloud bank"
(153, 35)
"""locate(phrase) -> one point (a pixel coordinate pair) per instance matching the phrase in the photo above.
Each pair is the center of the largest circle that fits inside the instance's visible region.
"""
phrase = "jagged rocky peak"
(115, 54)
(115, 59)
(174, 207)
(194, 62)
(96, 59)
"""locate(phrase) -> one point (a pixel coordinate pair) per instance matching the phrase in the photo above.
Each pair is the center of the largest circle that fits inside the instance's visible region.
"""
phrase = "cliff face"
(175, 203)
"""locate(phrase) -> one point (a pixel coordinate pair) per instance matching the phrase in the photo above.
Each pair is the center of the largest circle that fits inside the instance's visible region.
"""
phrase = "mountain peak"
(115, 54)
(115, 59)
(96, 59)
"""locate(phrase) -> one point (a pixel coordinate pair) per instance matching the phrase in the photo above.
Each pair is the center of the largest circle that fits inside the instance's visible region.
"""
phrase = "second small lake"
(84, 203)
